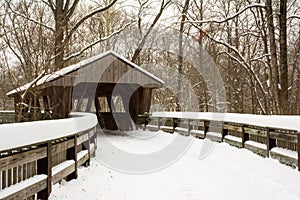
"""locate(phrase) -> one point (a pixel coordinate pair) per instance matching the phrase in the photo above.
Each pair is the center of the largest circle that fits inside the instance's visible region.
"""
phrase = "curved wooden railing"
(278, 139)
(34, 155)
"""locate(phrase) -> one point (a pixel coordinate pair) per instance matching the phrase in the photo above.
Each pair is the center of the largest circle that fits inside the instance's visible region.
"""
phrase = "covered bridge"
(109, 85)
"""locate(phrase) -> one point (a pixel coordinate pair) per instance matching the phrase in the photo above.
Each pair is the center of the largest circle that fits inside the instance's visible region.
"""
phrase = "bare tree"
(145, 35)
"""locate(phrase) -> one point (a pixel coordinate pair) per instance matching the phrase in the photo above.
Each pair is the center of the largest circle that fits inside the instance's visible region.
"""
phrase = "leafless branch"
(92, 13)
(96, 42)
(294, 17)
(242, 61)
(228, 18)
(33, 83)
(143, 41)
(32, 20)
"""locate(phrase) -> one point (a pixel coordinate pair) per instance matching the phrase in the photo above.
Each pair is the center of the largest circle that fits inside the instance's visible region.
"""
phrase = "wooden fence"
(278, 143)
(28, 172)
(7, 117)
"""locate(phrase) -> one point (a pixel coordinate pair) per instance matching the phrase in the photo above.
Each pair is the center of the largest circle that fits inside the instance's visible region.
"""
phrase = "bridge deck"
(226, 173)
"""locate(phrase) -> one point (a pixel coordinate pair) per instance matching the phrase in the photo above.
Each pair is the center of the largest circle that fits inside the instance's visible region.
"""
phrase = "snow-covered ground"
(227, 173)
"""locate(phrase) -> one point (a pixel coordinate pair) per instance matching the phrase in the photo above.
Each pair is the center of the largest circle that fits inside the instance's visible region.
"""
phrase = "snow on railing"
(276, 136)
(33, 155)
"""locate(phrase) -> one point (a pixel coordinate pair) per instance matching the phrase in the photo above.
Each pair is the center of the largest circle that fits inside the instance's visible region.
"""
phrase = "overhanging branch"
(96, 42)
(228, 18)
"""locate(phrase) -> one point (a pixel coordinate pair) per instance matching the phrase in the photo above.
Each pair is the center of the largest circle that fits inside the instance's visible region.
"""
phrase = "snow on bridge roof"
(60, 73)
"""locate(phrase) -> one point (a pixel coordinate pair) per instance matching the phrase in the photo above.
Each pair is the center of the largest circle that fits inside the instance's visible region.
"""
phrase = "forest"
(253, 44)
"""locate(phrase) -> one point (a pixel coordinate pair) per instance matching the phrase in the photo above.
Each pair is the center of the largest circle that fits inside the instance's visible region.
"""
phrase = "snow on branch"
(96, 42)
(241, 60)
(250, 71)
(294, 16)
(230, 17)
(32, 84)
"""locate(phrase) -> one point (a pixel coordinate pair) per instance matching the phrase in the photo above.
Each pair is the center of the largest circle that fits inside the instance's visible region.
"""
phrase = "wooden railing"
(282, 144)
(7, 117)
(28, 171)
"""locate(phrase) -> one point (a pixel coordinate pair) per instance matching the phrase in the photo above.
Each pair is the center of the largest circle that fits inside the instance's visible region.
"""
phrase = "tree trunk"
(180, 54)
(273, 50)
(284, 97)
(59, 35)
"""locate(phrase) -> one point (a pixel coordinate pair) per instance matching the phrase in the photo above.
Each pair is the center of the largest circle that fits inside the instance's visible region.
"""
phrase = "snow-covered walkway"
(227, 173)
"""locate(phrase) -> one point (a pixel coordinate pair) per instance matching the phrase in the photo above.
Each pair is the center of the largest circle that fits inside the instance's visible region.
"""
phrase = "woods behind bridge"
(254, 44)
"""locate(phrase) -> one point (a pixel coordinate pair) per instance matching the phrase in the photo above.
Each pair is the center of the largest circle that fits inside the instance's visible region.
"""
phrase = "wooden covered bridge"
(109, 85)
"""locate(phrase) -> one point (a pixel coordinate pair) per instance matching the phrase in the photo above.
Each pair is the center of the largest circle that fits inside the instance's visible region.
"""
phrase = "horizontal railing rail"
(28, 168)
(277, 137)
(7, 116)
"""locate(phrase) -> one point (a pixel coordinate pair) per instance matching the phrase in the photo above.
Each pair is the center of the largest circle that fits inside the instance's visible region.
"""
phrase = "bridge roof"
(94, 62)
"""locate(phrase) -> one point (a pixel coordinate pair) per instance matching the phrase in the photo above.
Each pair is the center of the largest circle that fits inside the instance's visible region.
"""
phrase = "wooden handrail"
(30, 169)
(260, 137)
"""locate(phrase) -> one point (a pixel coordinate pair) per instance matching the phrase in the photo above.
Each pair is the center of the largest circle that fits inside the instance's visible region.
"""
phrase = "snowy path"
(227, 173)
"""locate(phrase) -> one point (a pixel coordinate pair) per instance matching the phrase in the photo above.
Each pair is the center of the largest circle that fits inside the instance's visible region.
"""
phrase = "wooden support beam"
(174, 124)
(270, 142)
(86, 146)
(205, 128)
(298, 149)
(159, 123)
(245, 136)
(72, 155)
(224, 133)
(190, 126)
(44, 166)
(4, 176)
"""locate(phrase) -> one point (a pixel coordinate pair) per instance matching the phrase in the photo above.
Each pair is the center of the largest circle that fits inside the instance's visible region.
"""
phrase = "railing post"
(72, 155)
(224, 132)
(189, 126)
(174, 124)
(44, 166)
(270, 142)
(95, 140)
(298, 149)
(206, 127)
(86, 146)
(245, 136)
(159, 122)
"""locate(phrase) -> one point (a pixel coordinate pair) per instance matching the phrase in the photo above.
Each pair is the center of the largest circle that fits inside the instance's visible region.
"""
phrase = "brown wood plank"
(15, 175)
(63, 174)
(24, 173)
(20, 173)
(28, 191)
(259, 151)
(82, 138)
(253, 131)
(284, 136)
(34, 168)
(9, 177)
(233, 128)
(233, 143)
(44, 166)
(57, 148)
(72, 155)
(29, 170)
(3, 181)
(21, 158)
(298, 150)
(284, 159)
(271, 142)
